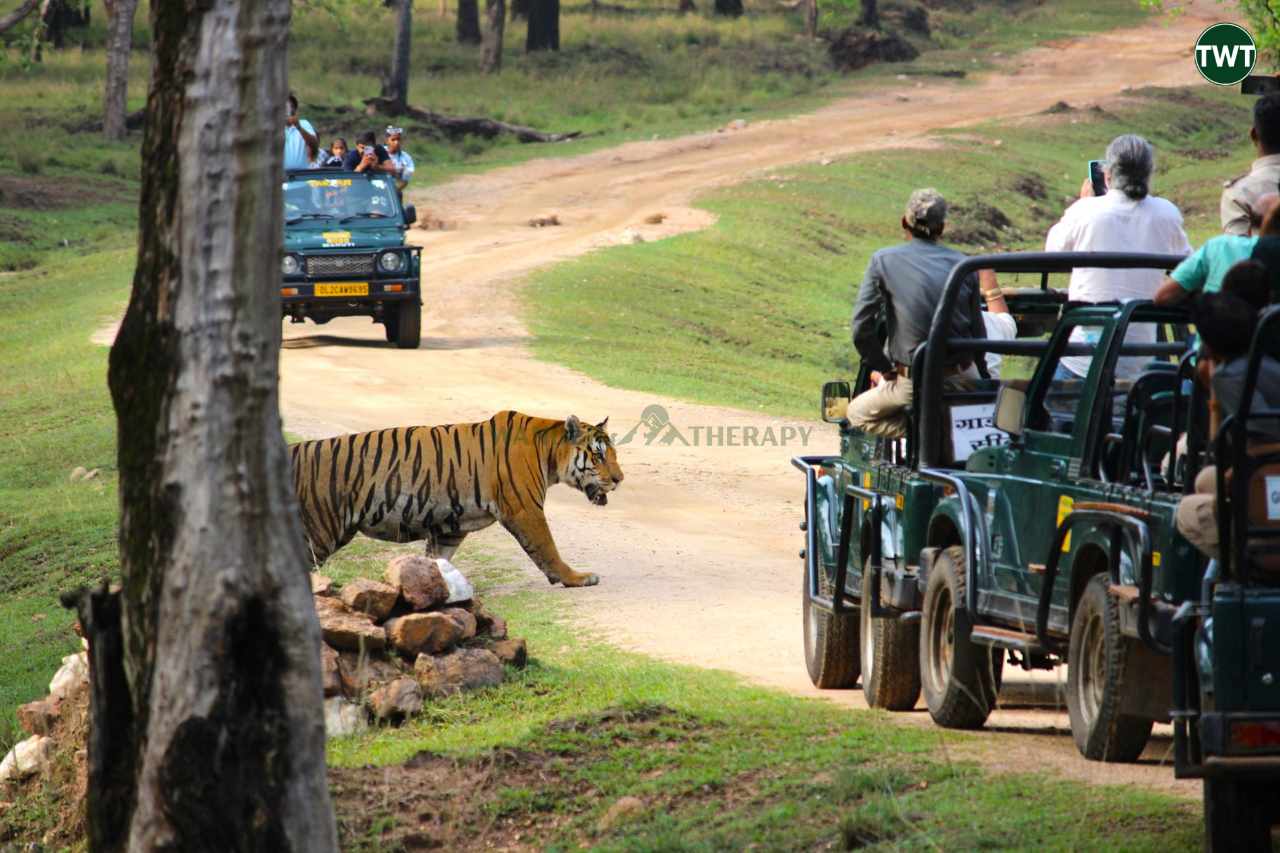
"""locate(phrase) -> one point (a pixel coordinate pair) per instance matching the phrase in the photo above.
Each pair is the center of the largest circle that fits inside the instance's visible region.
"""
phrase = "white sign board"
(1273, 498)
(973, 428)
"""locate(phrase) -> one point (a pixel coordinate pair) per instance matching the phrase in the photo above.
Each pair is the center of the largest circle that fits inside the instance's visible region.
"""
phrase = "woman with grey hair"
(1126, 219)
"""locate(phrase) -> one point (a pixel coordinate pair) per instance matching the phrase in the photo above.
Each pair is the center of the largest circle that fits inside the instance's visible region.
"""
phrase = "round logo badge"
(1225, 54)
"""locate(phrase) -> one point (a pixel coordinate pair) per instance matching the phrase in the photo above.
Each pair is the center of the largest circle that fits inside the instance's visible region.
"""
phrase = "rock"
(465, 621)
(655, 219)
(343, 717)
(420, 581)
(330, 678)
(460, 588)
(370, 597)
(358, 672)
(26, 758)
(321, 585)
(620, 812)
(346, 630)
(631, 235)
(512, 652)
(77, 473)
(461, 669)
(395, 700)
(39, 717)
(489, 625)
(430, 633)
(73, 675)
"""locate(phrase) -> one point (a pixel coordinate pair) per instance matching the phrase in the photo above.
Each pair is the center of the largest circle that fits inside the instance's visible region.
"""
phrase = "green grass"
(754, 311)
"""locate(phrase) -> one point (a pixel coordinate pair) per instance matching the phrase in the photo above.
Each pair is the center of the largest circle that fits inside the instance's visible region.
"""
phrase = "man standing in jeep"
(904, 283)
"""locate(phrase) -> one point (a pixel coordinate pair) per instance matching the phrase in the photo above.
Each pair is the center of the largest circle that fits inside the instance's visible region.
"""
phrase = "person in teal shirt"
(1203, 269)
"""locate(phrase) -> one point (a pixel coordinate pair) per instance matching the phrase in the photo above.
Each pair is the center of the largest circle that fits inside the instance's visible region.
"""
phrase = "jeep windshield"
(340, 199)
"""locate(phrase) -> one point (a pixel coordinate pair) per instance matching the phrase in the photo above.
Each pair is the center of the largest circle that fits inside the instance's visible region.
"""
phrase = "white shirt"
(1000, 327)
(295, 146)
(1116, 223)
(404, 164)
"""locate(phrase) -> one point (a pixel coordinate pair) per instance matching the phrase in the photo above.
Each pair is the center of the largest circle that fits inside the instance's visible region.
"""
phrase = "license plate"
(343, 288)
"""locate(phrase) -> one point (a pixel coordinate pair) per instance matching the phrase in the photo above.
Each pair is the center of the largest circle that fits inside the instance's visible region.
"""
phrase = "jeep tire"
(890, 656)
(1097, 660)
(404, 324)
(830, 640)
(961, 679)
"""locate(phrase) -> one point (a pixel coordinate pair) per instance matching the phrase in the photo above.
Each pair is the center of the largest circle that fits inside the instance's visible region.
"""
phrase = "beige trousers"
(1196, 518)
(882, 410)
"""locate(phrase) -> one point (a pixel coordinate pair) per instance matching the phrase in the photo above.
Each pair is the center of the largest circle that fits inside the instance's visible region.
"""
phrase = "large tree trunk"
(397, 88)
(811, 18)
(544, 25)
(120, 14)
(495, 14)
(468, 22)
(58, 16)
(216, 741)
(870, 14)
(730, 8)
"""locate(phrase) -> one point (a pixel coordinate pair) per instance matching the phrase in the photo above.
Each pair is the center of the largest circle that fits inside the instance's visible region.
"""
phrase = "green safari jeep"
(1028, 521)
(345, 253)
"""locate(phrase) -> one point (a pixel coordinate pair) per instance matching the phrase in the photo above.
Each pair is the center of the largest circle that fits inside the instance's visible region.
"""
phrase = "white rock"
(73, 674)
(26, 758)
(343, 718)
(78, 472)
(460, 588)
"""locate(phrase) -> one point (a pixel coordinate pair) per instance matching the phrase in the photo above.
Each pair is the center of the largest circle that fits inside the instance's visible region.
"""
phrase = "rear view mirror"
(1010, 403)
(835, 401)
(410, 214)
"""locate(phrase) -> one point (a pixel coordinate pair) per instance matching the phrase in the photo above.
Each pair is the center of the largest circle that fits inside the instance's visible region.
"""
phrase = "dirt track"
(697, 550)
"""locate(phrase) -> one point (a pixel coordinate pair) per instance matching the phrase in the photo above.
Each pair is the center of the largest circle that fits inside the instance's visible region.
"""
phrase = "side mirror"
(1010, 403)
(835, 401)
(410, 214)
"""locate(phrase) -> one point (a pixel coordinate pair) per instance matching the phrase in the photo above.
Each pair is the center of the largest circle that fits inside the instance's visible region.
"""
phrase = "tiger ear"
(572, 428)
(604, 423)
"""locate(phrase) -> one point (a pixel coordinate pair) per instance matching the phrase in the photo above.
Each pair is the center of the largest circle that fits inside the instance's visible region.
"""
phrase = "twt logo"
(1225, 54)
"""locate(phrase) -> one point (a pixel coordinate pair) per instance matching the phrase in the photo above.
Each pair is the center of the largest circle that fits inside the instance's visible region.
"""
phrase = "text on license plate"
(343, 288)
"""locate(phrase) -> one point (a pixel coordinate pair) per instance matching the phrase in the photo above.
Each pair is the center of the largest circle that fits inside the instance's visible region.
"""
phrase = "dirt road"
(698, 550)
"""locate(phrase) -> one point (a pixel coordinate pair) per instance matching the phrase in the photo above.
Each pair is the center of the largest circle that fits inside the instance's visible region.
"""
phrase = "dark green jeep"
(1028, 521)
(345, 254)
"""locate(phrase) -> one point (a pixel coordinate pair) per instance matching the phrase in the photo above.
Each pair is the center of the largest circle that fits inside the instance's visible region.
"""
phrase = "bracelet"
(994, 293)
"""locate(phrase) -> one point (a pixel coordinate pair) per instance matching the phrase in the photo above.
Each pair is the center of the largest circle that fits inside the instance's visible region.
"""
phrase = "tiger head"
(590, 464)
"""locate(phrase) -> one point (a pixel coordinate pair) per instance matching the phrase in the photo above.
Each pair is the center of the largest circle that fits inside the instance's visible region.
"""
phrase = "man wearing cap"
(1240, 195)
(905, 283)
(400, 157)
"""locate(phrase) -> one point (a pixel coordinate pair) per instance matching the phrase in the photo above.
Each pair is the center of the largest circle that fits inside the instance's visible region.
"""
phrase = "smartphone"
(1095, 177)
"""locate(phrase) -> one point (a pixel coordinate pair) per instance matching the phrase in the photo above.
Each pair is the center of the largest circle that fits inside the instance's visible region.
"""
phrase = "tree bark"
(729, 8)
(468, 22)
(519, 9)
(120, 15)
(870, 14)
(217, 739)
(495, 23)
(397, 88)
(18, 15)
(544, 26)
(811, 18)
(58, 16)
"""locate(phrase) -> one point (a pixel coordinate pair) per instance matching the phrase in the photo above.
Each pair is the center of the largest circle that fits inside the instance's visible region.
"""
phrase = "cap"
(926, 209)
(392, 130)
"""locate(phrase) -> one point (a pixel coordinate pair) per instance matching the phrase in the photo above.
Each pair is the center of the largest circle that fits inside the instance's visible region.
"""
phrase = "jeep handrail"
(937, 355)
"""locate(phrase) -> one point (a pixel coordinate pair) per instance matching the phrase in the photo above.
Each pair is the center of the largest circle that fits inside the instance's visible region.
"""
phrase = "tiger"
(439, 483)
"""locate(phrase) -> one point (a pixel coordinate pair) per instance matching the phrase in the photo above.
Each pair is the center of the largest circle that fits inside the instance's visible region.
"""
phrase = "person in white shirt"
(301, 145)
(404, 163)
(1126, 219)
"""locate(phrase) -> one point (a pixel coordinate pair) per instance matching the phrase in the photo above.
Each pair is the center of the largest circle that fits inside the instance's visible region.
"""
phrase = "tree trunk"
(120, 15)
(495, 22)
(811, 18)
(468, 22)
(18, 15)
(397, 88)
(58, 16)
(216, 739)
(544, 26)
(729, 8)
(519, 9)
(870, 14)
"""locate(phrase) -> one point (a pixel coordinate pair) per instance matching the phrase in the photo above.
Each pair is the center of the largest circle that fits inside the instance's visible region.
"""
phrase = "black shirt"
(354, 157)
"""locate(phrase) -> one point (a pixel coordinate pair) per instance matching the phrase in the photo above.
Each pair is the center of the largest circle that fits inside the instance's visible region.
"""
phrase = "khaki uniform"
(1196, 518)
(1240, 194)
(882, 409)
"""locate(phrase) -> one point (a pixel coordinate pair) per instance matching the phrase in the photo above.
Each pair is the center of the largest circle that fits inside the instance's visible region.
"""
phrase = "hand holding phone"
(1096, 178)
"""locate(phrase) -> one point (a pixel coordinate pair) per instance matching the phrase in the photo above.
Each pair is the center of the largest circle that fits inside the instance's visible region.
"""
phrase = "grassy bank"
(754, 312)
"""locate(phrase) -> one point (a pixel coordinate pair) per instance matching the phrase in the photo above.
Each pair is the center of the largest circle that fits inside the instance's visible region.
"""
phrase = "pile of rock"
(390, 645)
(59, 717)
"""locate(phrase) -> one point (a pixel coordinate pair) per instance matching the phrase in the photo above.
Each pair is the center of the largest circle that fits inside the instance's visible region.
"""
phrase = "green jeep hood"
(316, 234)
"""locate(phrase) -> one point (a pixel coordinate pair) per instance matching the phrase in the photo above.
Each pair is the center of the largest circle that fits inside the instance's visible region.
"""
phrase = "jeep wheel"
(830, 641)
(1097, 659)
(960, 679)
(408, 325)
(390, 322)
(890, 657)
(1238, 815)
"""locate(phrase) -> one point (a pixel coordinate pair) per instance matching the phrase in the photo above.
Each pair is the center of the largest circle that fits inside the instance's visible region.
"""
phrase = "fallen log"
(15, 17)
(465, 125)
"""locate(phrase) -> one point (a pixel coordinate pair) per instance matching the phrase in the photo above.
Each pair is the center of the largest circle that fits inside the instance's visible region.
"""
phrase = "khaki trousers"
(1196, 517)
(882, 410)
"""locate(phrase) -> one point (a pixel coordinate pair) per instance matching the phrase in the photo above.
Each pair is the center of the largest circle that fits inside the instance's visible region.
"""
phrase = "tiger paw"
(578, 579)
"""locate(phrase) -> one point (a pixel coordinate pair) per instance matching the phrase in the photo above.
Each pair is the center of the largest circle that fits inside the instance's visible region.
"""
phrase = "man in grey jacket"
(904, 283)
